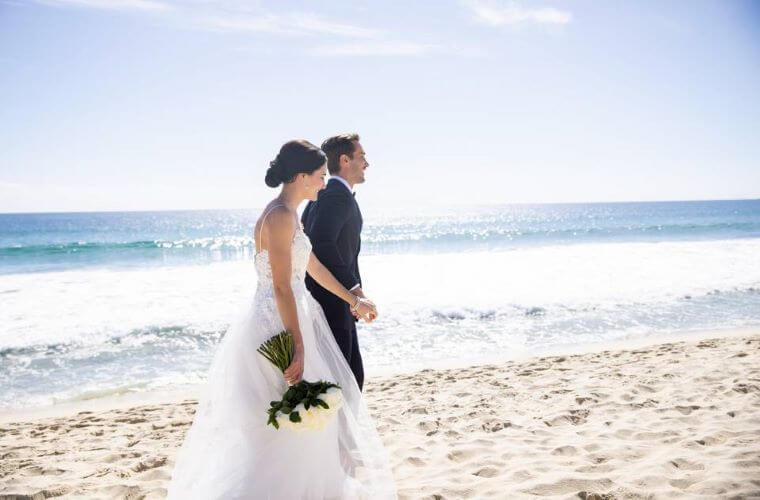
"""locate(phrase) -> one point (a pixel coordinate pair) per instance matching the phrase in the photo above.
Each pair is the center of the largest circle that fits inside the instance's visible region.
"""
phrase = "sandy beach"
(670, 420)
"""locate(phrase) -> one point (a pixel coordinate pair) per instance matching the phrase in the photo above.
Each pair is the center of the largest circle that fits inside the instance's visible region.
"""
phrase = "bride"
(230, 451)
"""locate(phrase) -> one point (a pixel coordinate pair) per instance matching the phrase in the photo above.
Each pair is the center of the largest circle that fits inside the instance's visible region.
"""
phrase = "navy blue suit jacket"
(334, 224)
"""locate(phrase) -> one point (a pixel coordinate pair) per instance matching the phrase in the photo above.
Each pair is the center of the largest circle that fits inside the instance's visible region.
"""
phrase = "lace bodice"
(264, 303)
(300, 251)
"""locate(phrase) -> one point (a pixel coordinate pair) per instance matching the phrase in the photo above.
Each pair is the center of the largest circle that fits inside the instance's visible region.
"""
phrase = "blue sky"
(163, 104)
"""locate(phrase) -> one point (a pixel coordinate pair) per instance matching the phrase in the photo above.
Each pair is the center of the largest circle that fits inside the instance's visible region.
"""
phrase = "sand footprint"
(587, 495)
(574, 417)
(646, 388)
(565, 451)
(150, 463)
(417, 410)
(462, 454)
(684, 464)
(430, 427)
(685, 482)
(649, 403)
(495, 425)
(686, 410)
(567, 486)
(416, 461)
(486, 472)
(583, 400)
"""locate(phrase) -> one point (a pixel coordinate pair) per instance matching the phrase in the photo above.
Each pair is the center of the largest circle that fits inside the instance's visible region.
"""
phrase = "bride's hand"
(367, 310)
(355, 314)
(294, 372)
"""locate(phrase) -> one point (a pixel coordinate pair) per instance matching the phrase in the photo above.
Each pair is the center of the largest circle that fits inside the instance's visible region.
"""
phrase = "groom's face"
(356, 165)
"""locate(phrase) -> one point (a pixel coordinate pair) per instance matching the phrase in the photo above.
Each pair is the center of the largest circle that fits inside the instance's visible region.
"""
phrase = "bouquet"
(305, 405)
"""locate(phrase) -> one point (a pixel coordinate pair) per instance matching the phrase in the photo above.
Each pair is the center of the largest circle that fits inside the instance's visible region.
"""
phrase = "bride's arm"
(326, 280)
(280, 228)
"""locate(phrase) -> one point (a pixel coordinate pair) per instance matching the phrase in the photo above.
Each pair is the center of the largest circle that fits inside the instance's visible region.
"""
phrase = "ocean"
(94, 304)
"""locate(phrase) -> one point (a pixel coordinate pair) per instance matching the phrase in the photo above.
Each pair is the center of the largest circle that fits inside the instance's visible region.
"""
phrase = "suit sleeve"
(358, 274)
(327, 221)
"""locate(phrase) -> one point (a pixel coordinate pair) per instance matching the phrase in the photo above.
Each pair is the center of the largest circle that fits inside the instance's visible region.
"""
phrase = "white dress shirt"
(344, 181)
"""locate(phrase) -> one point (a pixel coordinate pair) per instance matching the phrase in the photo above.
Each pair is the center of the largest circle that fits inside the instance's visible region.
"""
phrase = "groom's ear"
(343, 159)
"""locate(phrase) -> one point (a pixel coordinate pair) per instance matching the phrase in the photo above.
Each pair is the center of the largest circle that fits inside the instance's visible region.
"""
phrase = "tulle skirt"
(230, 452)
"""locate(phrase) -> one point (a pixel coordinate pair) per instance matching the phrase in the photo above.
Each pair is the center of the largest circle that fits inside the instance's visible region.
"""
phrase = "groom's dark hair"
(337, 145)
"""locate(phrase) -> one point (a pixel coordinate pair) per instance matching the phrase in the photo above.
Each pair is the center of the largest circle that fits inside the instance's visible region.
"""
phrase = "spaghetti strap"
(263, 220)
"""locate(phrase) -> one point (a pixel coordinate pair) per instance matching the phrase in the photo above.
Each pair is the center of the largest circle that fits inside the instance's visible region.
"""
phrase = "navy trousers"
(348, 342)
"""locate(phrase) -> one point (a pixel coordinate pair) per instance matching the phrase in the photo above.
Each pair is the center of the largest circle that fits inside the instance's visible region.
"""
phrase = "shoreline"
(139, 398)
(666, 419)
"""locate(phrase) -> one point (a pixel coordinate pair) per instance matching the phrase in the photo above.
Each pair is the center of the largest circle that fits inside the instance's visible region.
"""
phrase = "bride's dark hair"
(295, 157)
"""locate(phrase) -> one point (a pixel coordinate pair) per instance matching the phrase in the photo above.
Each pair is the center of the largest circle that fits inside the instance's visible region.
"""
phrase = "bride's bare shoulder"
(276, 220)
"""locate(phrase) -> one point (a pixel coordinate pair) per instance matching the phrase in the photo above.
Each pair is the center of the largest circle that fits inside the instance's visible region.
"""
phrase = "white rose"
(334, 398)
(284, 420)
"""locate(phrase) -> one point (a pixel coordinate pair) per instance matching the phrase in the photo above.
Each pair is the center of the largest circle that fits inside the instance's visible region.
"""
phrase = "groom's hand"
(367, 310)
(371, 315)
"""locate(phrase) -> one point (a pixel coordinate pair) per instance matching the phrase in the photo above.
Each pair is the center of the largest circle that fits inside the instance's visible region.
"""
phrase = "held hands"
(365, 309)
(294, 372)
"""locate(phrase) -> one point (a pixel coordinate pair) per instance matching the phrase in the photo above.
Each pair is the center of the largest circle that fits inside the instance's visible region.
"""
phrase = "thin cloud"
(252, 24)
(374, 49)
(497, 13)
(141, 5)
(233, 17)
(315, 24)
(238, 17)
(283, 24)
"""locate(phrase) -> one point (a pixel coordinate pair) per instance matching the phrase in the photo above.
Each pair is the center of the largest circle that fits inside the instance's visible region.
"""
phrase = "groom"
(333, 224)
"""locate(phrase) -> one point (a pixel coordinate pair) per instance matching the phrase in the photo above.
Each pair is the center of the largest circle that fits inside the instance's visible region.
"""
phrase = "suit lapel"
(358, 213)
(334, 185)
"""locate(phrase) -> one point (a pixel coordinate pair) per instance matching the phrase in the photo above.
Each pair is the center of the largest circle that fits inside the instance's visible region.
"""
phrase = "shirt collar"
(343, 181)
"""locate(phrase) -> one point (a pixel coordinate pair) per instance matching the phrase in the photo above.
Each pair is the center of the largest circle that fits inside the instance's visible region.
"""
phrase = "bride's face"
(315, 182)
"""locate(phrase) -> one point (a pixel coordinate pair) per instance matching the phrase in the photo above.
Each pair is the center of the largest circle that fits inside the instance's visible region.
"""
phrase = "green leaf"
(295, 417)
(273, 421)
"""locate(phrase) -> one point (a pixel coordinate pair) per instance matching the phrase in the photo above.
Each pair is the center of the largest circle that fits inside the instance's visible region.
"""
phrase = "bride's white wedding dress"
(230, 452)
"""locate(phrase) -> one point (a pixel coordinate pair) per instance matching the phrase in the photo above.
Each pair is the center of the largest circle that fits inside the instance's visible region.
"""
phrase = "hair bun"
(273, 177)
(295, 157)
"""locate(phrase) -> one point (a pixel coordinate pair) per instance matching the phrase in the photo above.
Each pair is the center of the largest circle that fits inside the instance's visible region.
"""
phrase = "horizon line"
(116, 211)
